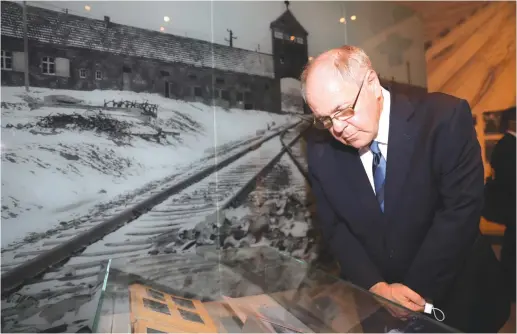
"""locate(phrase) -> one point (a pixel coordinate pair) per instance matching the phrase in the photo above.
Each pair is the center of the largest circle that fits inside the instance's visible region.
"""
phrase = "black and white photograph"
(143, 142)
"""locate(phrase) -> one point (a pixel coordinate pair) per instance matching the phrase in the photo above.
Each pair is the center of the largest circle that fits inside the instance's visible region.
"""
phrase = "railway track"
(275, 211)
(119, 211)
(176, 221)
(297, 154)
(21, 251)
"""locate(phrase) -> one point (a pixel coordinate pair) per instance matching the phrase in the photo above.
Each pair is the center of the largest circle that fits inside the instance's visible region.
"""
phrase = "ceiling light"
(87, 8)
(166, 18)
(342, 20)
(353, 17)
(310, 58)
(162, 29)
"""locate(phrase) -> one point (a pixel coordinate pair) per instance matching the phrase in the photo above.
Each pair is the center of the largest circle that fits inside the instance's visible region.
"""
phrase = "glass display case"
(244, 290)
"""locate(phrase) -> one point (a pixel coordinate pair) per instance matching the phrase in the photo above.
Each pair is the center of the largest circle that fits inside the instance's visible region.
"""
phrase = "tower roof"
(288, 23)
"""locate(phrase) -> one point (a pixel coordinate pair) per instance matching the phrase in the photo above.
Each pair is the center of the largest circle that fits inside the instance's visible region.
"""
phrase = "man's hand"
(399, 294)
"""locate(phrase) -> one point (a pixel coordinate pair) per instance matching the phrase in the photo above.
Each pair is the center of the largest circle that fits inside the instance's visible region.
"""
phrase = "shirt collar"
(384, 120)
(511, 132)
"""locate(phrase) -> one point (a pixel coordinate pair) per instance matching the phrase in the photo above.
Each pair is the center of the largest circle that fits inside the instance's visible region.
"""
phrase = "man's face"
(328, 93)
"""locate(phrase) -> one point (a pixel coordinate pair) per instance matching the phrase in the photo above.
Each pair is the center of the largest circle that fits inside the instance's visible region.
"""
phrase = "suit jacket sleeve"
(455, 224)
(355, 263)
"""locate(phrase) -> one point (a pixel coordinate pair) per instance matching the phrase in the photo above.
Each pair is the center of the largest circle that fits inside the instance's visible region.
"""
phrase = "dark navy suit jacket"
(433, 200)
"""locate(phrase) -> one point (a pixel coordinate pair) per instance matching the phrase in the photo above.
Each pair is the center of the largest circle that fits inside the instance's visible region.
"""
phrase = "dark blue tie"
(379, 173)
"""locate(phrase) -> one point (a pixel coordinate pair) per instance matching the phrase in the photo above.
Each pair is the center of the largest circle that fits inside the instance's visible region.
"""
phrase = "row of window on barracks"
(111, 71)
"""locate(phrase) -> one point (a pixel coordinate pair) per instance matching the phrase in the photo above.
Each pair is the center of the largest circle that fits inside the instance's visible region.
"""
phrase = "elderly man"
(399, 191)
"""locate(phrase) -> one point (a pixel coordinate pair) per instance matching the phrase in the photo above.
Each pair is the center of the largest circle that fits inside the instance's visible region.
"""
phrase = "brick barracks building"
(68, 51)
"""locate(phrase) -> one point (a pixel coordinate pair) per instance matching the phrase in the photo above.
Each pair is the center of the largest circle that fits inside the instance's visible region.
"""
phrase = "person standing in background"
(500, 194)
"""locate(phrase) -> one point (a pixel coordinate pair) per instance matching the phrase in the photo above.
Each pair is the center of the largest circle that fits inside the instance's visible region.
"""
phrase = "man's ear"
(374, 84)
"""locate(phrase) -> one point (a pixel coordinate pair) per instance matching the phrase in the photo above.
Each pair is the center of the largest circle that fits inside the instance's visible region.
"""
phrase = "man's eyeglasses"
(326, 122)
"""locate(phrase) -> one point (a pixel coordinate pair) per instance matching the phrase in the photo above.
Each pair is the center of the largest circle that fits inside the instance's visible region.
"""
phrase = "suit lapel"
(401, 140)
(352, 176)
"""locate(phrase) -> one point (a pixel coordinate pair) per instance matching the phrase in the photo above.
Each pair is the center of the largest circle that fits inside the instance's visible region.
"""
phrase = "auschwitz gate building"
(73, 52)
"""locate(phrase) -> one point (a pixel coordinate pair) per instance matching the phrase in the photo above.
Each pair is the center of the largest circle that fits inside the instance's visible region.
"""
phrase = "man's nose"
(338, 126)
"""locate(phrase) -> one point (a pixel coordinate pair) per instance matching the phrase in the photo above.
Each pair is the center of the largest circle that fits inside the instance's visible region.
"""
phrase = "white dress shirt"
(382, 138)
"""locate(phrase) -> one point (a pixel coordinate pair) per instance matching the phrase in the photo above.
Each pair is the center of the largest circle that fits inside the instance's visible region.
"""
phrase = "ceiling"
(441, 16)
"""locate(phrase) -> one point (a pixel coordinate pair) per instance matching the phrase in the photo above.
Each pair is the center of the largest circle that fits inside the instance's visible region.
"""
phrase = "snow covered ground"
(61, 166)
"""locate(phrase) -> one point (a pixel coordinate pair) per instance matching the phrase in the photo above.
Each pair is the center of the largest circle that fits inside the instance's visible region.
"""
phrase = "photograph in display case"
(150, 307)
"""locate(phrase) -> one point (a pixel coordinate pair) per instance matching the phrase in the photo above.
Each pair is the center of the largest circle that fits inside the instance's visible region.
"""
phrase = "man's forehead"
(327, 90)
(321, 69)
(327, 76)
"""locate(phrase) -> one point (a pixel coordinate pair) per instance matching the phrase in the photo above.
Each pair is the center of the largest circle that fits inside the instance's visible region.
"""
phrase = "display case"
(245, 290)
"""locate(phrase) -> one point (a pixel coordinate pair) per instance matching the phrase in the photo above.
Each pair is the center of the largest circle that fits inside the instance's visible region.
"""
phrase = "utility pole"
(26, 46)
(231, 37)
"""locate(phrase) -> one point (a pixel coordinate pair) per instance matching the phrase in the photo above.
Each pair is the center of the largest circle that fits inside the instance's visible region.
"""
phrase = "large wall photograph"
(148, 128)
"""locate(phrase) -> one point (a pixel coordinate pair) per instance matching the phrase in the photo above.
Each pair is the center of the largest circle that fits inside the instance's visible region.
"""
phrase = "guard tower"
(290, 50)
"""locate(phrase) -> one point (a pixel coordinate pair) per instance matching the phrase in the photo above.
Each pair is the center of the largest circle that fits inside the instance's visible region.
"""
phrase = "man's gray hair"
(350, 62)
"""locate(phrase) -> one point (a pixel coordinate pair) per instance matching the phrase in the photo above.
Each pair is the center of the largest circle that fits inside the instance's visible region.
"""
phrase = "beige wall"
(476, 61)
(410, 29)
(389, 29)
